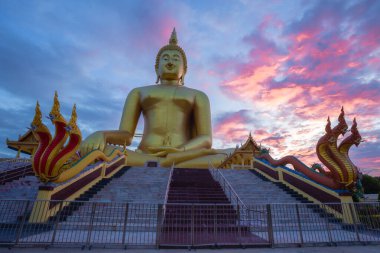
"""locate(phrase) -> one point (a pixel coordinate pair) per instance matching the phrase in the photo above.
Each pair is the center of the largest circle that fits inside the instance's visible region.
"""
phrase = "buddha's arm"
(202, 123)
(124, 135)
(129, 119)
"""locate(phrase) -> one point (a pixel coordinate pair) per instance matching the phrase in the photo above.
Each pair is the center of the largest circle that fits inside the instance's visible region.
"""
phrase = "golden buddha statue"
(177, 120)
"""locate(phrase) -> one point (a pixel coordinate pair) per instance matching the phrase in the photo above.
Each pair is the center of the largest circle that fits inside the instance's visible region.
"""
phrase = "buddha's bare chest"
(159, 98)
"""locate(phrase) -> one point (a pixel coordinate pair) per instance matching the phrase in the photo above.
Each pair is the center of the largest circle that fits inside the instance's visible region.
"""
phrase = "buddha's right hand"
(95, 141)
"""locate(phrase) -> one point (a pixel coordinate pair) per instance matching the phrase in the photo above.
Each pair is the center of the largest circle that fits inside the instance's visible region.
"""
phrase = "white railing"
(168, 187)
(227, 188)
(231, 194)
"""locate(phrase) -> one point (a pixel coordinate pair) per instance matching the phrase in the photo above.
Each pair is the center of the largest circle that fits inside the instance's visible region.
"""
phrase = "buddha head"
(171, 63)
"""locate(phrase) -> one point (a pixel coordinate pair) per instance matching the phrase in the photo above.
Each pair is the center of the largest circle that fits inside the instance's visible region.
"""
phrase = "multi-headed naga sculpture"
(54, 161)
(341, 172)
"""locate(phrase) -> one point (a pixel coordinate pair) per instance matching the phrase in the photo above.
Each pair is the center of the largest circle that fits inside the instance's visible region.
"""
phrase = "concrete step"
(137, 185)
(253, 190)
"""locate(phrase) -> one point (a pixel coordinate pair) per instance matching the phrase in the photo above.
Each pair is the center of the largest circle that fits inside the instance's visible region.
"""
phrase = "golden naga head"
(328, 125)
(55, 114)
(37, 125)
(173, 45)
(342, 122)
(329, 132)
(355, 133)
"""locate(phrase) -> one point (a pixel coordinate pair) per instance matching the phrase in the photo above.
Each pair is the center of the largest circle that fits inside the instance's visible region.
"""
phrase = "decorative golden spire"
(72, 126)
(74, 115)
(342, 122)
(37, 120)
(354, 127)
(328, 125)
(341, 115)
(55, 114)
(55, 110)
(173, 38)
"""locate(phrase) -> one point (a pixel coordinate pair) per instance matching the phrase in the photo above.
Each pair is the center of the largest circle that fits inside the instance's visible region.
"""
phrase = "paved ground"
(339, 249)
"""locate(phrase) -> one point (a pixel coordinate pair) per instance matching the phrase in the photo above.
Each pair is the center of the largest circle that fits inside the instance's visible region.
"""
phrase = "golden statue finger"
(160, 154)
(156, 149)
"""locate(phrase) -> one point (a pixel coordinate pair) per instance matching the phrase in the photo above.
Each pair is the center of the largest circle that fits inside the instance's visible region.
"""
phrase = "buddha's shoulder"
(195, 92)
(143, 88)
(149, 88)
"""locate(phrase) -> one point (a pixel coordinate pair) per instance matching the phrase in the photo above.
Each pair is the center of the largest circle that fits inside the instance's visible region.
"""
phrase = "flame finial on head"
(173, 38)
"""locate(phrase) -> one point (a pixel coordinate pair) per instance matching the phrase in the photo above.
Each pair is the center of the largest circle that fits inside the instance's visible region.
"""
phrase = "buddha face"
(171, 65)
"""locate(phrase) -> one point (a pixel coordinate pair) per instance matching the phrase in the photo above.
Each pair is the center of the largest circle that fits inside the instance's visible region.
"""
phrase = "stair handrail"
(227, 188)
(15, 173)
(16, 160)
(167, 189)
(240, 206)
(168, 184)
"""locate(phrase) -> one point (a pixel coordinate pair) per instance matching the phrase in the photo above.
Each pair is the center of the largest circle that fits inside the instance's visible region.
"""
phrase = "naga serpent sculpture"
(53, 161)
(342, 173)
(354, 139)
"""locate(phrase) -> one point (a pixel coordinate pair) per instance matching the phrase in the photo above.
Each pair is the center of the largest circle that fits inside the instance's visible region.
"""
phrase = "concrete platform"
(339, 249)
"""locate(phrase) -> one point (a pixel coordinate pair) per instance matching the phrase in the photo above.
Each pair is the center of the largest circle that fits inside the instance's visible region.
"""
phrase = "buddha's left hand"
(163, 151)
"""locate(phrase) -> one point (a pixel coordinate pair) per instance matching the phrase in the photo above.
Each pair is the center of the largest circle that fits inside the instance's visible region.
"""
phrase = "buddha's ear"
(182, 80)
(158, 79)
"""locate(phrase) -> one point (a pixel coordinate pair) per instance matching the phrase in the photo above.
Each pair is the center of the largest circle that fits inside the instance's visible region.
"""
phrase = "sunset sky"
(275, 68)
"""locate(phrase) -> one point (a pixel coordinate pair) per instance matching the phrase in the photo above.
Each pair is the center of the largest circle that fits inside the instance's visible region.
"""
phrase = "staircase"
(24, 188)
(128, 202)
(199, 213)
(290, 211)
(253, 189)
(138, 185)
(14, 171)
(83, 199)
(10, 164)
(11, 208)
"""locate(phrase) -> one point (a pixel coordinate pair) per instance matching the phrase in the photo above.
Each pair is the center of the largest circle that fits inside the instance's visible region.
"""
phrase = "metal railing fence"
(168, 187)
(230, 192)
(13, 163)
(227, 188)
(108, 224)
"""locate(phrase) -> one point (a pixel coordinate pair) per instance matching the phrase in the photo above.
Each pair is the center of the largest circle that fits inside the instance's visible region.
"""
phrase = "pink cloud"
(232, 127)
(331, 59)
